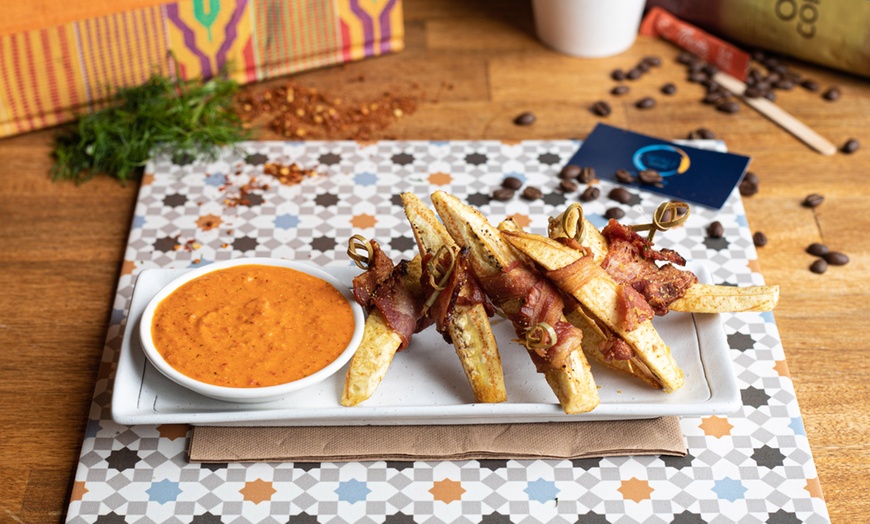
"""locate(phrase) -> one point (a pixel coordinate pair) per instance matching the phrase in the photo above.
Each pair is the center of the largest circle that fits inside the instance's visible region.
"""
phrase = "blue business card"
(688, 173)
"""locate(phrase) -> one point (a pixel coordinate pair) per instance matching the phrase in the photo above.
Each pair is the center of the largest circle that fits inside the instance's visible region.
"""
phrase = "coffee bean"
(652, 61)
(568, 186)
(770, 95)
(715, 230)
(633, 74)
(525, 119)
(832, 94)
(751, 178)
(785, 84)
(685, 58)
(569, 172)
(747, 188)
(811, 85)
(836, 259)
(590, 194)
(512, 182)
(624, 176)
(702, 133)
(532, 193)
(753, 92)
(645, 103)
(813, 200)
(618, 75)
(850, 146)
(728, 107)
(817, 249)
(713, 98)
(819, 266)
(650, 176)
(620, 195)
(620, 90)
(503, 194)
(696, 78)
(759, 239)
(587, 174)
(669, 89)
(601, 108)
(614, 213)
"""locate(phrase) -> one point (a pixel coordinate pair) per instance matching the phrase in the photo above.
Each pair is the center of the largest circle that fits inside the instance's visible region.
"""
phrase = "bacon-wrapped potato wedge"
(530, 301)
(599, 342)
(394, 298)
(456, 303)
(618, 308)
(691, 297)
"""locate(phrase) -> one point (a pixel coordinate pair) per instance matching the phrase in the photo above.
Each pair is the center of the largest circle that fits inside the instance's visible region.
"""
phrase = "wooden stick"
(777, 115)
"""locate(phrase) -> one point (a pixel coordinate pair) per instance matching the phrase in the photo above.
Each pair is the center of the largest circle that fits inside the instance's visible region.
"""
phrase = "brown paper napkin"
(563, 440)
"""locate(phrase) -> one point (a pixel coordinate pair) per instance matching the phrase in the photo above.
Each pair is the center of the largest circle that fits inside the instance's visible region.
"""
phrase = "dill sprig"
(187, 118)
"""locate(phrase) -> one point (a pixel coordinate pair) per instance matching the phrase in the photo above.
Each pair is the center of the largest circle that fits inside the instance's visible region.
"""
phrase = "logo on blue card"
(666, 159)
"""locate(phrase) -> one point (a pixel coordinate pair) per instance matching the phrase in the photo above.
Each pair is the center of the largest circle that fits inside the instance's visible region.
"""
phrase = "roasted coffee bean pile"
(602, 108)
(509, 187)
(826, 258)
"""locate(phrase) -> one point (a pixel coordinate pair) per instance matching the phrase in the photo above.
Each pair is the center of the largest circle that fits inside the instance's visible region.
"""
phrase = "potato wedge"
(705, 298)
(599, 297)
(490, 255)
(372, 359)
(469, 326)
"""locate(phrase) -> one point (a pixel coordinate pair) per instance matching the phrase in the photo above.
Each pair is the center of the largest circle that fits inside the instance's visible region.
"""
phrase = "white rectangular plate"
(426, 385)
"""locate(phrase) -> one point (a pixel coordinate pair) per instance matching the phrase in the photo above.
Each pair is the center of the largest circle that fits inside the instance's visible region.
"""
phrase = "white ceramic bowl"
(248, 395)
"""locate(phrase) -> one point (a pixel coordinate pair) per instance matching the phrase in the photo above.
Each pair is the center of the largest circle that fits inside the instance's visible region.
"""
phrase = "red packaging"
(723, 55)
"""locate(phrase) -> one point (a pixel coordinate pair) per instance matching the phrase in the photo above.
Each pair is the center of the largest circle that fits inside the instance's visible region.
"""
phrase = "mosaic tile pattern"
(753, 466)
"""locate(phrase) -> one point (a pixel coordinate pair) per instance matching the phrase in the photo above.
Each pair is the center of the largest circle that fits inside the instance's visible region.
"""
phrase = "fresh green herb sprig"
(187, 118)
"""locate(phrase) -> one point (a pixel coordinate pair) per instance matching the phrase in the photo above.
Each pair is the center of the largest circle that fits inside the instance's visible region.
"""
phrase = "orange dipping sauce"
(252, 326)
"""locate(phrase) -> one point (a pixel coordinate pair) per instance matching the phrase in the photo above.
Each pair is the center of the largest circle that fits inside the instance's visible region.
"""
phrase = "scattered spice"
(296, 112)
(289, 174)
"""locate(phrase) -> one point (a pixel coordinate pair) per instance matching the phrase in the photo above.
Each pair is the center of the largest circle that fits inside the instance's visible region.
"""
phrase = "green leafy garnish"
(186, 118)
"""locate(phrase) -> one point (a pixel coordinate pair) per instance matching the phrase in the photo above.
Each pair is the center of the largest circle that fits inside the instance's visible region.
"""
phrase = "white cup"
(588, 28)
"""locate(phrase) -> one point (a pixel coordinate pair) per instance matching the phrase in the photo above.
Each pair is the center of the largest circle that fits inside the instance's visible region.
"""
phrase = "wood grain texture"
(474, 67)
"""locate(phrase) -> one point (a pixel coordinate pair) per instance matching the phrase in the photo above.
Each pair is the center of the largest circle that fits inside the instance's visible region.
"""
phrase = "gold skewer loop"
(669, 214)
(572, 222)
(437, 270)
(540, 336)
(355, 247)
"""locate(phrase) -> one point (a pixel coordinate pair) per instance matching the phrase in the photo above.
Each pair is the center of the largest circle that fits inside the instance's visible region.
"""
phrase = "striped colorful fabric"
(48, 75)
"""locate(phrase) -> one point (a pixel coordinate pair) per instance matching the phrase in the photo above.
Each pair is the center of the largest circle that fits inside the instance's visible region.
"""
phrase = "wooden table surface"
(473, 67)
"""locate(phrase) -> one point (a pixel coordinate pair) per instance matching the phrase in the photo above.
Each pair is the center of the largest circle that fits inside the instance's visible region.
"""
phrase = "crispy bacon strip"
(380, 267)
(461, 278)
(631, 260)
(402, 309)
(527, 299)
(384, 286)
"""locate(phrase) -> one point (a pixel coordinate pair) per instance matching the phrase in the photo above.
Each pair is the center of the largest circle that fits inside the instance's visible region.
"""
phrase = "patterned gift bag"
(48, 74)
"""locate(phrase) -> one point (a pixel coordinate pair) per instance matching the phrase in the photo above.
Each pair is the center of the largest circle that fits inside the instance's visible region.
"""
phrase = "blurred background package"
(831, 33)
(60, 58)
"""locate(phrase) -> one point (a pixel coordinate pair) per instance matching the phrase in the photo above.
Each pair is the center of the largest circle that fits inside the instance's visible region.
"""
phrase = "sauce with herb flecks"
(252, 326)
